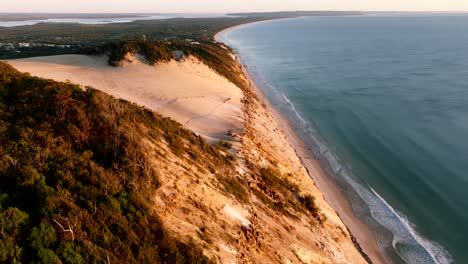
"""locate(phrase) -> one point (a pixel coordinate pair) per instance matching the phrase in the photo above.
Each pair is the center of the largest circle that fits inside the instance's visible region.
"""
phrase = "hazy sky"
(222, 6)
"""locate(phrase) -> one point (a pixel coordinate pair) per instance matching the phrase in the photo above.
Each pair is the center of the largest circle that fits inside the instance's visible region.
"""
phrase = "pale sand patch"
(189, 91)
(309, 257)
(238, 214)
(228, 249)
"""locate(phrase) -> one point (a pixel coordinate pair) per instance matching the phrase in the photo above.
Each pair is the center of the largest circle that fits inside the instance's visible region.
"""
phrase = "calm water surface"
(383, 101)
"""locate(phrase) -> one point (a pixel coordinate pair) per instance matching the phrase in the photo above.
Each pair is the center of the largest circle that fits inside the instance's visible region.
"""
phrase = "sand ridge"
(188, 91)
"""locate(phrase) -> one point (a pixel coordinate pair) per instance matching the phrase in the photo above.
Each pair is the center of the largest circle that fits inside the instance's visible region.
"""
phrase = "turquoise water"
(383, 103)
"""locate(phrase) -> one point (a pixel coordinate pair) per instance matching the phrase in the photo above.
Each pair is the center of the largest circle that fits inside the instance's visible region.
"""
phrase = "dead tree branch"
(70, 227)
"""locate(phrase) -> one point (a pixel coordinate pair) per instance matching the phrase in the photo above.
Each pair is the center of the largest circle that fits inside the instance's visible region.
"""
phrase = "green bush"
(274, 179)
(225, 144)
(276, 183)
(234, 186)
(152, 51)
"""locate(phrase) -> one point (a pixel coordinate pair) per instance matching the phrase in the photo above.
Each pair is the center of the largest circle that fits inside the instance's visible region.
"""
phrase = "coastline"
(215, 37)
(361, 234)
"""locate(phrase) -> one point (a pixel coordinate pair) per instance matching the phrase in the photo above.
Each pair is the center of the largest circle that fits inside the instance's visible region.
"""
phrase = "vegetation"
(81, 36)
(75, 183)
(273, 179)
(216, 57)
(308, 202)
(282, 195)
(151, 51)
(225, 144)
(234, 186)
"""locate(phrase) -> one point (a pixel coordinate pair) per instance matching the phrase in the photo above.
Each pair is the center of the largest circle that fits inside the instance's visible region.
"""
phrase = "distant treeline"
(41, 16)
(273, 15)
(80, 36)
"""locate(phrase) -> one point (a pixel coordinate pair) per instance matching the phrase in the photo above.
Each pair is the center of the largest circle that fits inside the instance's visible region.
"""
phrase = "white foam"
(294, 109)
(419, 249)
(333, 160)
(438, 254)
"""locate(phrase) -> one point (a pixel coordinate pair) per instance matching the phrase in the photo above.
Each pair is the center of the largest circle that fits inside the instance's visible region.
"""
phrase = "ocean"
(382, 101)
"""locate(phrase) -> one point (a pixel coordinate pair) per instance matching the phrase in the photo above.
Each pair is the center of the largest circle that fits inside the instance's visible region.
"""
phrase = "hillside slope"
(187, 91)
(138, 188)
(76, 183)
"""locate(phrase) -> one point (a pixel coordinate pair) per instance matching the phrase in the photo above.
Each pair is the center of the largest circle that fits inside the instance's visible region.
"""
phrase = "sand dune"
(193, 94)
(188, 91)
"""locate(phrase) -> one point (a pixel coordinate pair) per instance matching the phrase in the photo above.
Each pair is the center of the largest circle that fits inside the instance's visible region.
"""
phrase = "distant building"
(23, 45)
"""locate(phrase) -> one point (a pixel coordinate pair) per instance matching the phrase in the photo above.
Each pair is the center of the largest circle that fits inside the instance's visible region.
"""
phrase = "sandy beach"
(211, 107)
(332, 193)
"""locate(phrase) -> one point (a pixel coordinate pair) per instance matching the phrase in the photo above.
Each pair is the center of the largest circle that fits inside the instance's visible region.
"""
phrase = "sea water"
(382, 100)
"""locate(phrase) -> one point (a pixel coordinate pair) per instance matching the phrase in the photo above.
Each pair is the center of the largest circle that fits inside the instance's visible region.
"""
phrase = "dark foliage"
(274, 179)
(234, 186)
(309, 203)
(214, 55)
(275, 183)
(151, 51)
(225, 144)
(72, 159)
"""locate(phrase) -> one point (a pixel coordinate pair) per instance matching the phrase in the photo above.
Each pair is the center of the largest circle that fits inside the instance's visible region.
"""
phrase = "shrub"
(274, 179)
(308, 202)
(234, 186)
(225, 144)
(152, 51)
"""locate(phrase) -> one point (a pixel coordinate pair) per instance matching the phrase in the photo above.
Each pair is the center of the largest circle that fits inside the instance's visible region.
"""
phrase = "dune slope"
(259, 206)
(188, 91)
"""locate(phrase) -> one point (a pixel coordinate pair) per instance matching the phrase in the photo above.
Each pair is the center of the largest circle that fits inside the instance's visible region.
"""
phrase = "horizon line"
(243, 12)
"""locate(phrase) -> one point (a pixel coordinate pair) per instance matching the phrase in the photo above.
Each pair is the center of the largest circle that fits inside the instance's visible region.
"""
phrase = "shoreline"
(215, 37)
(361, 234)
